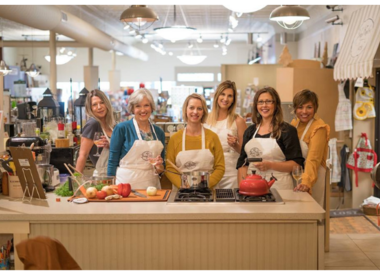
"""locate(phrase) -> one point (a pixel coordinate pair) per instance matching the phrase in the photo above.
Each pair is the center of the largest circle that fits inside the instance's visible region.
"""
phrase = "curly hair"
(278, 117)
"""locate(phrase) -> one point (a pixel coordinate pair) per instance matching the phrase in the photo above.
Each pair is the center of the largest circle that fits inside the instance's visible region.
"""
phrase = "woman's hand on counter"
(302, 187)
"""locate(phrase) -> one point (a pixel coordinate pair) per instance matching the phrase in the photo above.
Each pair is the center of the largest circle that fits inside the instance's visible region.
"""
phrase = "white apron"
(268, 149)
(101, 164)
(194, 160)
(319, 186)
(229, 179)
(135, 168)
(343, 114)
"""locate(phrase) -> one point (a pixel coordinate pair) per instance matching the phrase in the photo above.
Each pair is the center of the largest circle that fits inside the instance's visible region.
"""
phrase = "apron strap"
(138, 129)
(105, 134)
(258, 127)
(184, 139)
(306, 129)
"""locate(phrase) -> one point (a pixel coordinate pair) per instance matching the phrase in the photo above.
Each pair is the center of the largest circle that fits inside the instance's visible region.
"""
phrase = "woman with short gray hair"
(137, 146)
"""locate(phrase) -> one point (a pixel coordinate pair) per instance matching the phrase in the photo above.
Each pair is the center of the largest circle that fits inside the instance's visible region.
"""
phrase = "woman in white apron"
(99, 109)
(134, 143)
(271, 139)
(230, 128)
(195, 148)
(314, 135)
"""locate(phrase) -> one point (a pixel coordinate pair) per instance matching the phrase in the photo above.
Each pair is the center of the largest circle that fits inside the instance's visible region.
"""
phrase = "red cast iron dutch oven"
(255, 185)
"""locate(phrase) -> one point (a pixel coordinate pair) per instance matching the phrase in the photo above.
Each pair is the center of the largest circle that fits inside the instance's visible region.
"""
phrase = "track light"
(216, 44)
(200, 40)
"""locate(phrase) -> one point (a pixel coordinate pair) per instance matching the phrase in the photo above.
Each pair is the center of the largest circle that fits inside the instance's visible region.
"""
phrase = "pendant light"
(289, 17)
(4, 70)
(175, 32)
(33, 70)
(192, 57)
(139, 17)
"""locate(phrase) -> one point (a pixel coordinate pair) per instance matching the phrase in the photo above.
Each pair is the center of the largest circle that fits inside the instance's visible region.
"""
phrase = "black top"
(90, 128)
(288, 142)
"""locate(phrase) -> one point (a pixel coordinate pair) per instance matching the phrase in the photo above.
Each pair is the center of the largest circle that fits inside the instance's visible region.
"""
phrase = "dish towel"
(343, 115)
(334, 160)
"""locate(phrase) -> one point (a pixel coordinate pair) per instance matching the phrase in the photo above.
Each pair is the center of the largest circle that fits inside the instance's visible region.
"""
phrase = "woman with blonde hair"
(313, 133)
(271, 139)
(230, 128)
(195, 148)
(137, 143)
(99, 109)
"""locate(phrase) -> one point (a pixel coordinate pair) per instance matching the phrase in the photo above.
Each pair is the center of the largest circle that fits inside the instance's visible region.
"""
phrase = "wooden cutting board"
(162, 195)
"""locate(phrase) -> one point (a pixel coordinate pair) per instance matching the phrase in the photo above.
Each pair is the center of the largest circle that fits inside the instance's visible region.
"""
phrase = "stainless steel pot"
(195, 180)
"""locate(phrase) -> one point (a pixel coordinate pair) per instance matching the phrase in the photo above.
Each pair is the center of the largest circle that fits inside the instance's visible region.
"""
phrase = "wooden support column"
(53, 64)
(91, 72)
(114, 76)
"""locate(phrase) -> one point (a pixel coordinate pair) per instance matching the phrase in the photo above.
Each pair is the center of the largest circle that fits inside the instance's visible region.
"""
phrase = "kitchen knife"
(138, 194)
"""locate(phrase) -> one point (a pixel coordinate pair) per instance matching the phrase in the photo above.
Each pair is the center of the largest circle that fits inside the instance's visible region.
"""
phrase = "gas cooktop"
(222, 196)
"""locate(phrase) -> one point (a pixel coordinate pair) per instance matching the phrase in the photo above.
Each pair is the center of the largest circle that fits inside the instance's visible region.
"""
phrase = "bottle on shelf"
(78, 135)
(61, 130)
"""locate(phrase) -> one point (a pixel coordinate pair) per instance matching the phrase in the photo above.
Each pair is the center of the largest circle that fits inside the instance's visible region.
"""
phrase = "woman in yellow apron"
(313, 133)
(195, 148)
(271, 139)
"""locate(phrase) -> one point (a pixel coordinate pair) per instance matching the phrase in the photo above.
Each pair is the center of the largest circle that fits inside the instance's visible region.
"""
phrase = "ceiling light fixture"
(228, 41)
(33, 71)
(144, 39)
(192, 57)
(289, 17)
(139, 17)
(259, 38)
(244, 7)
(4, 70)
(63, 56)
(200, 40)
(216, 44)
(233, 20)
(175, 32)
(190, 45)
(221, 39)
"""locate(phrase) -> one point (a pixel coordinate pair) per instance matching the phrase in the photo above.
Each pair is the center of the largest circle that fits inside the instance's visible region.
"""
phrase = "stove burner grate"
(194, 195)
(264, 198)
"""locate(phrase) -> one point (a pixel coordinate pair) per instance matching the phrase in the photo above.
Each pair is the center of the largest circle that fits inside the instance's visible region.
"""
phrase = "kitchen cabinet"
(321, 81)
(172, 236)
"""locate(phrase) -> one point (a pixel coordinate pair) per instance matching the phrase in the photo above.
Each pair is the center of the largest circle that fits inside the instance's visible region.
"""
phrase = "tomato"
(120, 189)
(101, 195)
(126, 190)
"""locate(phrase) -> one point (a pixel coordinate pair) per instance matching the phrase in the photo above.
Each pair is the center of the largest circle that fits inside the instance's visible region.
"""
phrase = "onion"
(108, 190)
(91, 192)
(151, 191)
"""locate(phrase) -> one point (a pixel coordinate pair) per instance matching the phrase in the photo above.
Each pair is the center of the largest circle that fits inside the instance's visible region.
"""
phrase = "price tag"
(24, 162)
(359, 82)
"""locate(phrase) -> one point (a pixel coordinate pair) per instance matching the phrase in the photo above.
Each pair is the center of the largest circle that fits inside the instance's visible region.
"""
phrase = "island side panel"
(191, 245)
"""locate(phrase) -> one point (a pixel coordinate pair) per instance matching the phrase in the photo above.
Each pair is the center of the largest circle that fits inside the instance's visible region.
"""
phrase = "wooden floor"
(354, 244)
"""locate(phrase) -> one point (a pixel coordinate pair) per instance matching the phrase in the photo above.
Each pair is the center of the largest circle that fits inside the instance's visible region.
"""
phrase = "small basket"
(370, 210)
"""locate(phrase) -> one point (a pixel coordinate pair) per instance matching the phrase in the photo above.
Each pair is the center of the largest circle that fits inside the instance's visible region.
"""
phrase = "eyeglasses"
(266, 102)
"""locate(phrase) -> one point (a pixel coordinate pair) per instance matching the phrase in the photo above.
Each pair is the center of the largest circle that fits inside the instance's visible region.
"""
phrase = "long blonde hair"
(231, 115)
(278, 118)
(110, 121)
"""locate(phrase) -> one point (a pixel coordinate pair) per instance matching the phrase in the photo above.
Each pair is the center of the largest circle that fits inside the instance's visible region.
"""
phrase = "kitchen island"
(167, 236)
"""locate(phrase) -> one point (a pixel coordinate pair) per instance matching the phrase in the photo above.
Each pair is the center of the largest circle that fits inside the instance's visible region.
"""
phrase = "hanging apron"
(268, 149)
(318, 192)
(229, 179)
(134, 167)
(102, 163)
(194, 160)
(343, 115)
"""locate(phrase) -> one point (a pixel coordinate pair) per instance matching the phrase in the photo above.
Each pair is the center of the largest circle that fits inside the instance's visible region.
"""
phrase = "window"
(195, 77)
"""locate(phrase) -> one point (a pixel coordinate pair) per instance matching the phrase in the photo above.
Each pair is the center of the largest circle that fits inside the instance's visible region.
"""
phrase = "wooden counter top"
(298, 205)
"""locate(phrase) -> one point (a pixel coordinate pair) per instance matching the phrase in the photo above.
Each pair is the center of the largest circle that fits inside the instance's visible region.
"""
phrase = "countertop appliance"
(207, 196)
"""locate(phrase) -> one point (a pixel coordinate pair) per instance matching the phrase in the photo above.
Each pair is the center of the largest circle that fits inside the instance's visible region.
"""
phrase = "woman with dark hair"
(99, 109)
(313, 133)
(230, 128)
(271, 139)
